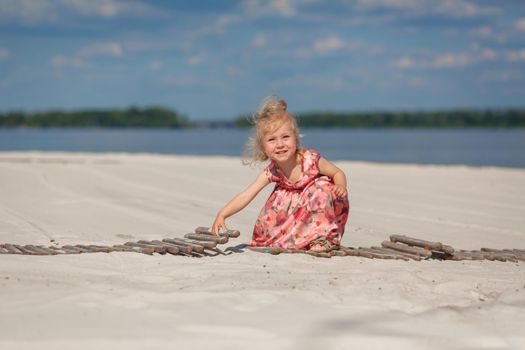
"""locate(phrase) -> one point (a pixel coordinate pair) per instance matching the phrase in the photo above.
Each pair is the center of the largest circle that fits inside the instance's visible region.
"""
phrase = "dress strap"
(272, 173)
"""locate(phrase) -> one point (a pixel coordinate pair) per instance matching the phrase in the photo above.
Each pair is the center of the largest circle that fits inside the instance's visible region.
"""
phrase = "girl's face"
(280, 145)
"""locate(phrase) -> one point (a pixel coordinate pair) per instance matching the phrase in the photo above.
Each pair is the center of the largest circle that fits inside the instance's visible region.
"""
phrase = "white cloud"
(37, 11)
(197, 59)
(488, 33)
(4, 53)
(516, 56)
(520, 24)
(331, 44)
(283, 8)
(27, 11)
(328, 44)
(227, 20)
(488, 54)
(217, 27)
(483, 32)
(106, 8)
(111, 49)
(448, 60)
(501, 75)
(80, 59)
(155, 65)
(143, 43)
(404, 63)
(358, 12)
(392, 4)
(423, 8)
(461, 8)
(259, 40)
(64, 62)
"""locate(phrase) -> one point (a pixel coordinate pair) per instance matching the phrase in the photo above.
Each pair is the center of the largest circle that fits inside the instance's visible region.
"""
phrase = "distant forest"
(155, 117)
(160, 117)
(424, 119)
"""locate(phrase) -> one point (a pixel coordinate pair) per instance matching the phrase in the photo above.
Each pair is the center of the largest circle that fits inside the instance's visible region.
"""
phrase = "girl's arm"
(239, 202)
(329, 169)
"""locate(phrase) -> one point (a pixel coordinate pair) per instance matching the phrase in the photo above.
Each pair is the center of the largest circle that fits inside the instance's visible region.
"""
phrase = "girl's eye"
(286, 136)
(271, 140)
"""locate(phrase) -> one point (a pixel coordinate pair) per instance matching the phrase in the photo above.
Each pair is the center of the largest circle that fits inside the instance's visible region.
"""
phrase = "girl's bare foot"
(318, 248)
(321, 245)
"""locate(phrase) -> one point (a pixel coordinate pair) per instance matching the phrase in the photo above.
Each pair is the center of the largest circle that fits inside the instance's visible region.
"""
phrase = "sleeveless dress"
(297, 213)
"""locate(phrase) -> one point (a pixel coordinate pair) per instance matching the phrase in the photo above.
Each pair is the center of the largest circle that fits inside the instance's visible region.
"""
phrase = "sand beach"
(253, 300)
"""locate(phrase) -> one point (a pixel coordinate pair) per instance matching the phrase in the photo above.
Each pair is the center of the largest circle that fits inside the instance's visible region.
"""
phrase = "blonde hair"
(270, 116)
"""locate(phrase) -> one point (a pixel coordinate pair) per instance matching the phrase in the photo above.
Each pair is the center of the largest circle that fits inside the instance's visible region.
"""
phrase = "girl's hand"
(340, 191)
(217, 225)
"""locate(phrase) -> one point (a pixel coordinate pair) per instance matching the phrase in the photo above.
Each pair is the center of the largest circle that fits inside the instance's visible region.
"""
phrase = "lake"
(475, 147)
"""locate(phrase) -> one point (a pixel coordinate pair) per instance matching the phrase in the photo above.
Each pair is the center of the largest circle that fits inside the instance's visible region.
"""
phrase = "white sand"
(259, 301)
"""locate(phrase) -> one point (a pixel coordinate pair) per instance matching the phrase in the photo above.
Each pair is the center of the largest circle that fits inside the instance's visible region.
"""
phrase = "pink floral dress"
(297, 213)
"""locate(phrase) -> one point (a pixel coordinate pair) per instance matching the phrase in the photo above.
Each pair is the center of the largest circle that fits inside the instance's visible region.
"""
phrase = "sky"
(215, 60)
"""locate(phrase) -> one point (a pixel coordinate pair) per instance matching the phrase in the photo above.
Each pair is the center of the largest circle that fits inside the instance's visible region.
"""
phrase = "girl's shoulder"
(310, 162)
(310, 154)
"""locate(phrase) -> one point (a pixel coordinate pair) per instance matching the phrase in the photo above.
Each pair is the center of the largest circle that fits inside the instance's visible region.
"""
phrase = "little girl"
(308, 207)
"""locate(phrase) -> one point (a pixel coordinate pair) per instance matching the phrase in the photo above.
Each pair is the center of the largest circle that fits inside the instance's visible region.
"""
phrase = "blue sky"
(214, 60)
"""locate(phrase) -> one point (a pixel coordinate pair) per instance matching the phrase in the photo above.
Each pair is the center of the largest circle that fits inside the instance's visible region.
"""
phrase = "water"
(476, 147)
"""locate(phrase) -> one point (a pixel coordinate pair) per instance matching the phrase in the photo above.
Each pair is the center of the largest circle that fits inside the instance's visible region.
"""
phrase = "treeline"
(157, 117)
(160, 117)
(455, 118)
